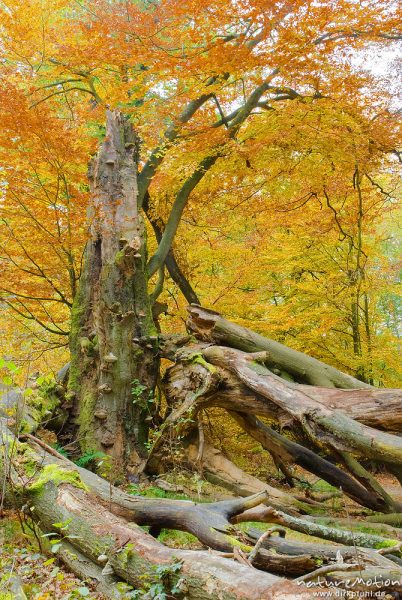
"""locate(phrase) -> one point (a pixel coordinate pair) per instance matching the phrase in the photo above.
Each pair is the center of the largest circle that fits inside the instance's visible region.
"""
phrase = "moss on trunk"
(112, 309)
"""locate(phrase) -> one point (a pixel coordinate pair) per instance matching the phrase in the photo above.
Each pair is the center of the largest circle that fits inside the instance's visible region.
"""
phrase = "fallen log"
(92, 516)
(76, 505)
(290, 452)
(133, 554)
(330, 429)
(219, 470)
(350, 538)
(208, 325)
(326, 553)
(378, 408)
(239, 382)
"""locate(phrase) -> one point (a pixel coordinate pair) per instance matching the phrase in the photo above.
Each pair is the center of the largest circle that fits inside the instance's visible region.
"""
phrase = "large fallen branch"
(321, 424)
(85, 512)
(210, 326)
(98, 520)
(239, 382)
(290, 452)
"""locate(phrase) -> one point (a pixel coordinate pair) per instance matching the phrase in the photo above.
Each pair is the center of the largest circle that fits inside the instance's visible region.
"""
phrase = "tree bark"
(113, 337)
(91, 520)
(90, 516)
(321, 424)
(290, 452)
(210, 326)
(208, 375)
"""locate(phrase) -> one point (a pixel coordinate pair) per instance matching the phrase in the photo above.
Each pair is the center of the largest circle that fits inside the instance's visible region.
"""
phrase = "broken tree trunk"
(207, 375)
(210, 326)
(113, 360)
(379, 408)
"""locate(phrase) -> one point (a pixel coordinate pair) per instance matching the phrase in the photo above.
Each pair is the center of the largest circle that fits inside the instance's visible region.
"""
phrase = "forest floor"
(29, 570)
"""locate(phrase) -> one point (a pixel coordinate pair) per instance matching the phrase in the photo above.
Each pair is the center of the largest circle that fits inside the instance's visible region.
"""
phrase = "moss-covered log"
(98, 520)
(133, 554)
(85, 512)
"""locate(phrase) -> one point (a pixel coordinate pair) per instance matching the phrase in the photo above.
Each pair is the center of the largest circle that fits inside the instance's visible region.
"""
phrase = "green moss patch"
(57, 475)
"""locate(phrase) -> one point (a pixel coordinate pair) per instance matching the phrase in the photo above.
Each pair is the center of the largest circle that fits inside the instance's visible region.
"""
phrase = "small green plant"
(89, 457)
(56, 539)
(150, 492)
(139, 396)
(161, 584)
(60, 450)
(137, 390)
(9, 370)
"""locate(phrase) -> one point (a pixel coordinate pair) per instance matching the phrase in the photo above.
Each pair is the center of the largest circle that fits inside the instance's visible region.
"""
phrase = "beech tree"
(185, 101)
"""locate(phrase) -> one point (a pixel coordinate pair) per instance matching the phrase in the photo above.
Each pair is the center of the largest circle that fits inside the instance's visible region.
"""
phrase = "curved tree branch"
(170, 261)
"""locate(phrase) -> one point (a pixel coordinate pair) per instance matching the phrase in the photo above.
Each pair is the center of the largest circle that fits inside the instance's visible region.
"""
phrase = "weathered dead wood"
(56, 496)
(132, 553)
(220, 470)
(209, 522)
(87, 570)
(210, 326)
(378, 408)
(290, 452)
(268, 514)
(369, 561)
(351, 524)
(234, 380)
(97, 527)
(329, 428)
(112, 307)
(326, 553)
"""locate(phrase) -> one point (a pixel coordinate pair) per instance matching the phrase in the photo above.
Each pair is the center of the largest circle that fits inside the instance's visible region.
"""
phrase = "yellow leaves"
(270, 233)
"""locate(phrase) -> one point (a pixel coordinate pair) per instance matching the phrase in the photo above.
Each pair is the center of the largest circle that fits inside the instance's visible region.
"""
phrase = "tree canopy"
(268, 164)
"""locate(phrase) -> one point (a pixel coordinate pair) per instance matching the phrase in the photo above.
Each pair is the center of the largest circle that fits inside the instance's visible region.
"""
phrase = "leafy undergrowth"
(28, 574)
(185, 485)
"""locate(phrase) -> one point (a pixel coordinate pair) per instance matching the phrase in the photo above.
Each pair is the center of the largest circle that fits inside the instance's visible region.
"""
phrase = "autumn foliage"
(290, 228)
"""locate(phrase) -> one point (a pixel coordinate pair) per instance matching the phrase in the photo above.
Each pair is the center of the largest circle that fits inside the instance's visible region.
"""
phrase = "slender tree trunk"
(113, 338)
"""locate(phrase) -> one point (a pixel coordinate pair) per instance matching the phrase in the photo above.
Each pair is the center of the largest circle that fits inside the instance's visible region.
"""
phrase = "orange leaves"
(270, 232)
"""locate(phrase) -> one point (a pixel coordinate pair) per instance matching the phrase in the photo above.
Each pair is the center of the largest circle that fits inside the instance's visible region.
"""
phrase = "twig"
(327, 569)
(201, 441)
(241, 557)
(46, 447)
(253, 554)
(390, 550)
